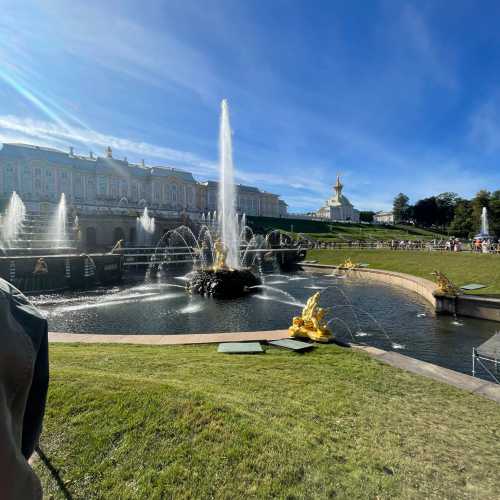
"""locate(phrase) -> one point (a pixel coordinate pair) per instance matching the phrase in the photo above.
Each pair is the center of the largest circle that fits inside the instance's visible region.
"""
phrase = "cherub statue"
(444, 285)
(41, 266)
(220, 255)
(348, 264)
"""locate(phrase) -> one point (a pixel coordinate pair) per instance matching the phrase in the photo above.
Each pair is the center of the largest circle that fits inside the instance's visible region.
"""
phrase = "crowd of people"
(485, 246)
(446, 245)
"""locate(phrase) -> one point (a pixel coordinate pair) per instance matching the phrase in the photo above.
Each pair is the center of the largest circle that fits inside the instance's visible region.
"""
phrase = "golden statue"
(444, 285)
(348, 264)
(41, 266)
(220, 255)
(311, 323)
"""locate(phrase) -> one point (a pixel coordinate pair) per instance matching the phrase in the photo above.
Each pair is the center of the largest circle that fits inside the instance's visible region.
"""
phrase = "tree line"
(450, 213)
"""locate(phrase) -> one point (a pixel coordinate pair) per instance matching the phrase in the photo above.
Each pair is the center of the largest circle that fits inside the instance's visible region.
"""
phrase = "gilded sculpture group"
(220, 255)
(311, 324)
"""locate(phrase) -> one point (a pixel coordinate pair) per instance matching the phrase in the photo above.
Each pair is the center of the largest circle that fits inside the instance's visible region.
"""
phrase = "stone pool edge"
(456, 379)
(472, 306)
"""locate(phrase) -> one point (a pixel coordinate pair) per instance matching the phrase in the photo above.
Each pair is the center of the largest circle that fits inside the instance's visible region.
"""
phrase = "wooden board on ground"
(294, 345)
(472, 286)
(240, 348)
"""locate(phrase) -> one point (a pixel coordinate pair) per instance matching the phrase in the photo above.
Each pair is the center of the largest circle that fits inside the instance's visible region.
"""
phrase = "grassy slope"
(329, 231)
(461, 268)
(364, 232)
(162, 422)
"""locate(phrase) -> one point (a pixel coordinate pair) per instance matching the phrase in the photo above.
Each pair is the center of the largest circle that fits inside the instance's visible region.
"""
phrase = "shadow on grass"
(54, 473)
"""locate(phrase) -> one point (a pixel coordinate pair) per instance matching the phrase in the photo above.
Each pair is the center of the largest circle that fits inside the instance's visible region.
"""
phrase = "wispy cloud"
(131, 49)
(431, 58)
(50, 134)
(16, 129)
(485, 125)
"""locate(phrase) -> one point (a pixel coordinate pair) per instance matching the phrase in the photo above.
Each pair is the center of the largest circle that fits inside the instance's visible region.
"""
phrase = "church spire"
(338, 187)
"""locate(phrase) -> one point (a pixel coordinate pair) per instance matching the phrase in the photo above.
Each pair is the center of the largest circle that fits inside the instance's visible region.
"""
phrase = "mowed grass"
(461, 268)
(157, 422)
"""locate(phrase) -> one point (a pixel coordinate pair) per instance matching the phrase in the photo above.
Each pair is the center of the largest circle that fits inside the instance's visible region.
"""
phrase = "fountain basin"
(64, 272)
(222, 283)
(360, 310)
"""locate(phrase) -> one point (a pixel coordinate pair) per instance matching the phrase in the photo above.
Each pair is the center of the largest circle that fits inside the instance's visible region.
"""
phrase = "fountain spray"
(227, 198)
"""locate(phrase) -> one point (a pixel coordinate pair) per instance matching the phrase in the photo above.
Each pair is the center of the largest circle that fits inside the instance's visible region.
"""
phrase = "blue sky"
(395, 96)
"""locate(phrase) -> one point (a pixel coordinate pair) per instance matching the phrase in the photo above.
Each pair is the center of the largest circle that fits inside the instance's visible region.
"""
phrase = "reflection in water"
(362, 334)
(163, 296)
(364, 312)
(191, 308)
(395, 345)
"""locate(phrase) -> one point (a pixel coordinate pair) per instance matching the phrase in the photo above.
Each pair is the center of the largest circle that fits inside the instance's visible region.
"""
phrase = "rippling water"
(370, 313)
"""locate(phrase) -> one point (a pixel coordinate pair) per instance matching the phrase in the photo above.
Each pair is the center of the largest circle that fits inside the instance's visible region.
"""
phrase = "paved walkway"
(444, 375)
(193, 338)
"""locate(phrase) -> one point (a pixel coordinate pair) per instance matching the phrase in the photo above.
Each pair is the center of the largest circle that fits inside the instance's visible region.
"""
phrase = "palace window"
(78, 186)
(64, 183)
(102, 185)
(124, 188)
(134, 192)
(114, 187)
(37, 180)
(27, 181)
(49, 183)
(91, 190)
(10, 179)
(211, 198)
(191, 196)
(157, 193)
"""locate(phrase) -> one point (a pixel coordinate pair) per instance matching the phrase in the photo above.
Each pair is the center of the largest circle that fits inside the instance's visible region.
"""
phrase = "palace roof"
(98, 165)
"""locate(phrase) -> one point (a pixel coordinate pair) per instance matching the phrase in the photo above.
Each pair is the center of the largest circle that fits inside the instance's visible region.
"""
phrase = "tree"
(425, 211)
(366, 216)
(446, 208)
(401, 208)
(494, 214)
(462, 224)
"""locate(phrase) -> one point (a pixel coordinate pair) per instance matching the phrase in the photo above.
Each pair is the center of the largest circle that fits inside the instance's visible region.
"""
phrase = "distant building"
(383, 218)
(249, 200)
(40, 175)
(108, 193)
(338, 207)
(283, 208)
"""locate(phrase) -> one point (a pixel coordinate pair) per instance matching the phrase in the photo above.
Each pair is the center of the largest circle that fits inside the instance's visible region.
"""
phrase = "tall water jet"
(145, 227)
(57, 229)
(227, 199)
(224, 278)
(485, 230)
(13, 220)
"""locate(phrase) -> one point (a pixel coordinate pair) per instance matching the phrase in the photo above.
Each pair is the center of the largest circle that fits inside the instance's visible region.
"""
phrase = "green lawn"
(185, 422)
(461, 268)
